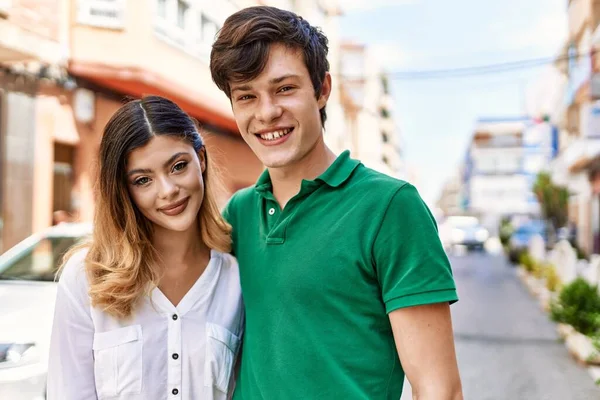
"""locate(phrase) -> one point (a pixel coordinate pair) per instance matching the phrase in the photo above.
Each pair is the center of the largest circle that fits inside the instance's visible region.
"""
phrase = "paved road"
(507, 348)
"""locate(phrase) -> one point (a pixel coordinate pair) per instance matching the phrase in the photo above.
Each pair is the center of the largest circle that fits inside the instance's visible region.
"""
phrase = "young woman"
(151, 307)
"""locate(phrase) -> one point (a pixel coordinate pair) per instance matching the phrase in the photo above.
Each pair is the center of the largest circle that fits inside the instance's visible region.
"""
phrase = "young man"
(342, 271)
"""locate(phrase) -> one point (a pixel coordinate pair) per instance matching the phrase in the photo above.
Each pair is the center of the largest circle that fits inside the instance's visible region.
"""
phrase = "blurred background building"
(579, 121)
(67, 65)
(502, 162)
(370, 130)
(558, 133)
(450, 201)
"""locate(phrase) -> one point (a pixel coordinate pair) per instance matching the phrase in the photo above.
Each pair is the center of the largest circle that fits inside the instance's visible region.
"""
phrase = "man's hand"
(425, 343)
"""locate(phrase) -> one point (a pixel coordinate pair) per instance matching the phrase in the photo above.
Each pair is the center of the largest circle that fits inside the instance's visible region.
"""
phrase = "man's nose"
(268, 110)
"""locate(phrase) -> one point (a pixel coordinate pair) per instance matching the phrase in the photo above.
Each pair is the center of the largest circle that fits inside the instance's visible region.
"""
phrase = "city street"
(507, 348)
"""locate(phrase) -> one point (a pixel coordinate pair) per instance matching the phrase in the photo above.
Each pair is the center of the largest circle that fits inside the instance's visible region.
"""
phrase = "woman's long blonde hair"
(121, 262)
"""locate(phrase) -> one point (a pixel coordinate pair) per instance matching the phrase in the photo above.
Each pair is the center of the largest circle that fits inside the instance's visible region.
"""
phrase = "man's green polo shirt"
(320, 276)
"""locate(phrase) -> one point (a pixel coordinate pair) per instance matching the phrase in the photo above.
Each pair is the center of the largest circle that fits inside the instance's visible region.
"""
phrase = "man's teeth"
(275, 134)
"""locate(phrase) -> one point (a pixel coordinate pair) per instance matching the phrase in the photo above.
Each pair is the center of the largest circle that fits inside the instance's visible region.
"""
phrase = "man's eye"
(245, 97)
(286, 89)
(179, 166)
(141, 181)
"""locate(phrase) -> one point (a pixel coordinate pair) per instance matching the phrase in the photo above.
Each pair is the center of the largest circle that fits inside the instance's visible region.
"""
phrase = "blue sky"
(436, 117)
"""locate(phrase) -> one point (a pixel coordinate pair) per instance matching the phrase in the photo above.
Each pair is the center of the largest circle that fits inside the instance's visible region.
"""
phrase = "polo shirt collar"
(340, 170)
(263, 184)
(334, 176)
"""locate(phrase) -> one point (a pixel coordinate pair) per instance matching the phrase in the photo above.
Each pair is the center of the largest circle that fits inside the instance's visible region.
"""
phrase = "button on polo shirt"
(320, 276)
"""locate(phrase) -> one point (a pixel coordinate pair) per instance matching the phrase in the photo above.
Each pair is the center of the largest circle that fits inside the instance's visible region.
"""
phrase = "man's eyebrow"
(273, 81)
(283, 78)
(166, 164)
(241, 88)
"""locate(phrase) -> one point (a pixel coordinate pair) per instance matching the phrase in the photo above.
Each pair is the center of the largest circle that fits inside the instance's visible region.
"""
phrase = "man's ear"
(325, 91)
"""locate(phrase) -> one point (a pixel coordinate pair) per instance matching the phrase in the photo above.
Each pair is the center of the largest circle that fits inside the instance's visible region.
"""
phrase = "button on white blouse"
(162, 352)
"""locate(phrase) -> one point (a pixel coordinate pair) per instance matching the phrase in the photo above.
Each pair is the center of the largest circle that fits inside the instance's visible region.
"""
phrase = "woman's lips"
(175, 208)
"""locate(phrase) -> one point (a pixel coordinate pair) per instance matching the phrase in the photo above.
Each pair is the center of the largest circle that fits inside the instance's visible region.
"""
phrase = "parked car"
(27, 298)
(464, 231)
(520, 238)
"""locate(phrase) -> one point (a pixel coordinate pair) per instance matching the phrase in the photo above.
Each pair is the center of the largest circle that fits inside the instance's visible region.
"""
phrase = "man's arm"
(417, 287)
(425, 344)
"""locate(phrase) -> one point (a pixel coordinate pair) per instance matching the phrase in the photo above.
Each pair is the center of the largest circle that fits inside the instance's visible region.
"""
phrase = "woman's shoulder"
(73, 273)
(229, 267)
(229, 261)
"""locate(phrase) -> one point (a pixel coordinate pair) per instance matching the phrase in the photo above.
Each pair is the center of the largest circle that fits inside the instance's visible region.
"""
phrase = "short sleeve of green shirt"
(411, 264)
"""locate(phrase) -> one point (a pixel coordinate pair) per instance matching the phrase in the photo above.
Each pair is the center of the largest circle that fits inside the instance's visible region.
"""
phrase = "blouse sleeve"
(71, 361)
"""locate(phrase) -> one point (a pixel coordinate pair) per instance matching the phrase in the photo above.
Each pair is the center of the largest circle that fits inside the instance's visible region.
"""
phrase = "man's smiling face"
(277, 112)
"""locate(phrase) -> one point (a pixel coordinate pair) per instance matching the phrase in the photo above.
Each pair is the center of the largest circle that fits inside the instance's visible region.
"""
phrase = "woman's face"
(164, 179)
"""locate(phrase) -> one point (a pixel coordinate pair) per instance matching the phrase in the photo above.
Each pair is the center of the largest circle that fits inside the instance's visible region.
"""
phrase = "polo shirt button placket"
(271, 211)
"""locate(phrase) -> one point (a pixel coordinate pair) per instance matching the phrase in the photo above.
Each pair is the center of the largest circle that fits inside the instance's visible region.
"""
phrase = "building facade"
(371, 132)
(579, 120)
(67, 65)
(450, 201)
(502, 162)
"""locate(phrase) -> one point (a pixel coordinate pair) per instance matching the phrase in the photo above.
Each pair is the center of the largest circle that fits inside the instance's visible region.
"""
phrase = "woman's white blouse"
(161, 352)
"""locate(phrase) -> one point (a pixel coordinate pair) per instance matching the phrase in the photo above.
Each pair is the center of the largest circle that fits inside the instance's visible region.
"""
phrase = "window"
(209, 29)
(161, 9)
(64, 156)
(182, 9)
(188, 26)
(41, 262)
(102, 13)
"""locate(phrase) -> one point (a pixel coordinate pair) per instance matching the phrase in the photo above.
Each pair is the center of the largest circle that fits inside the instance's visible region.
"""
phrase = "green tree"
(553, 199)
(506, 230)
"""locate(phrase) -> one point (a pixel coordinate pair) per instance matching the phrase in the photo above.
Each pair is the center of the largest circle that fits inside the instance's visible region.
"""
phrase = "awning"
(137, 82)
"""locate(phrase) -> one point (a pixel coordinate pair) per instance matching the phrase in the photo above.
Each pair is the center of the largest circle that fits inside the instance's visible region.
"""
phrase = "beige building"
(67, 65)
(450, 199)
(579, 120)
(370, 131)
(31, 38)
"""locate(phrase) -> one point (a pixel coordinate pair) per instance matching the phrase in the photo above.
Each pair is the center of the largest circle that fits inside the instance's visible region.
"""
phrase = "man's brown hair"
(241, 50)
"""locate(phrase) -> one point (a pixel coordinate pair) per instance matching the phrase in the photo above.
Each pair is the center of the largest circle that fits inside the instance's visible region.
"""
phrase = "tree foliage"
(553, 199)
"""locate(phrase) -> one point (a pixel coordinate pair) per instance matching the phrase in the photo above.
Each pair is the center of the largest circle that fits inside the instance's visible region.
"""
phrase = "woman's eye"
(179, 166)
(141, 181)
(244, 97)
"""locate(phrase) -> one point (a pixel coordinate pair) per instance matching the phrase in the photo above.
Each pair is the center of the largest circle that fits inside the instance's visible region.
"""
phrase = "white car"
(463, 230)
(27, 298)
